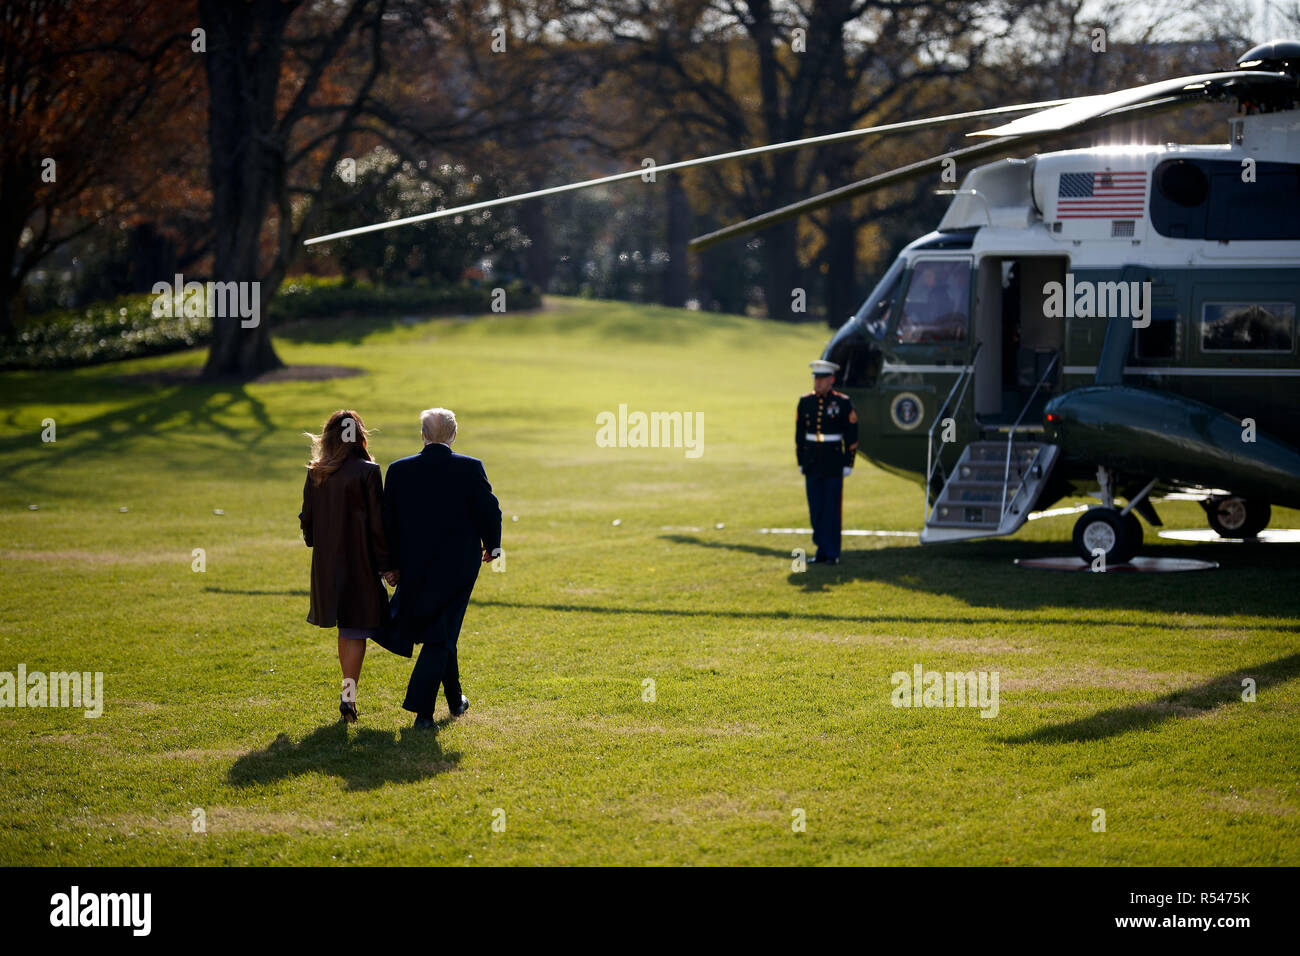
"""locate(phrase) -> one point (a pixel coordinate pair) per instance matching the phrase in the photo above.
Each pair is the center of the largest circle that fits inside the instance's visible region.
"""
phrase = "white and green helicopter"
(1113, 320)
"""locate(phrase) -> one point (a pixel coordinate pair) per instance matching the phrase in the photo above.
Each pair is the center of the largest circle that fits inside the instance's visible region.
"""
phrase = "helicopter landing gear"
(1233, 517)
(1115, 533)
(1117, 536)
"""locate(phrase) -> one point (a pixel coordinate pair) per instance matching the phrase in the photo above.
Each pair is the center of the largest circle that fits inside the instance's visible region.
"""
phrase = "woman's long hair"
(343, 437)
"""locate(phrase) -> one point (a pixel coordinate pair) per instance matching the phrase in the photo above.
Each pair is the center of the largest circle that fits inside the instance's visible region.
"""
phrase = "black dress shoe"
(424, 721)
(348, 711)
(464, 706)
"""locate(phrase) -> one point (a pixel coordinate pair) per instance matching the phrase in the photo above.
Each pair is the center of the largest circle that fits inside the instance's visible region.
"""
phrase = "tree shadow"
(194, 410)
(364, 759)
(781, 614)
(650, 325)
(761, 550)
(349, 328)
(284, 592)
(1188, 702)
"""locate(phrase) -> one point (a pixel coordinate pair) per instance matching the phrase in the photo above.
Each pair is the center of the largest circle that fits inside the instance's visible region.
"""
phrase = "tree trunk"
(150, 256)
(11, 281)
(841, 264)
(722, 281)
(676, 284)
(781, 272)
(7, 299)
(244, 51)
(539, 257)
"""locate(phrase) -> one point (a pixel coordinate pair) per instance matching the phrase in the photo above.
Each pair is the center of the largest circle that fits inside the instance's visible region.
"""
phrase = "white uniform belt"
(813, 436)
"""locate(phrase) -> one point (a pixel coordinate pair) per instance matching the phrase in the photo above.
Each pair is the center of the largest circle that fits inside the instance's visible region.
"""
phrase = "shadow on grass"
(608, 320)
(145, 410)
(804, 615)
(285, 592)
(652, 325)
(364, 760)
(1188, 702)
(349, 329)
(1253, 579)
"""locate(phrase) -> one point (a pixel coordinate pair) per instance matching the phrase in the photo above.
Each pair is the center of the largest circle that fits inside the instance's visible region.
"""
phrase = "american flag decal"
(1102, 196)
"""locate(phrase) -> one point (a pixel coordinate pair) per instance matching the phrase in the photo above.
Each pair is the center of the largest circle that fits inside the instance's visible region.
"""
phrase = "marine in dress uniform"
(825, 442)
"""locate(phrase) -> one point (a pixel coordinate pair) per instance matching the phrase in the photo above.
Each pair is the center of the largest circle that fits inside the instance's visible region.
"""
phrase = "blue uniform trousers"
(825, 502)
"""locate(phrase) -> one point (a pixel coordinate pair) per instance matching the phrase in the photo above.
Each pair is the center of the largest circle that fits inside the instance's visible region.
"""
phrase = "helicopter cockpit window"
(1248, 327)
(937, 303)
(876, 311)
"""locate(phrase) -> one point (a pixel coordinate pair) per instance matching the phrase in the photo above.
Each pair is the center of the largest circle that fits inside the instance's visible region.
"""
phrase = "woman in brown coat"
(342, 522)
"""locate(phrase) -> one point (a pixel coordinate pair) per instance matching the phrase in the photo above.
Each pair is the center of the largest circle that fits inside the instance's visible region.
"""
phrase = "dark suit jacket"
(439, 515)
(342, 522)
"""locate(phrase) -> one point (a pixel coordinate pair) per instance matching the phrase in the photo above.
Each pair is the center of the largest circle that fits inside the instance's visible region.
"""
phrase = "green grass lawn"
(772, 688)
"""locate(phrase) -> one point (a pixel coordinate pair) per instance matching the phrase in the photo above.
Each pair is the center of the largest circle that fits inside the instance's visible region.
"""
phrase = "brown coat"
(342, 522)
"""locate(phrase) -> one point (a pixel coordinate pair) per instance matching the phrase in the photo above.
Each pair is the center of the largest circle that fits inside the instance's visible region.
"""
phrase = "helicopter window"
(1221, 199)
(1268, 208)
(1182, 182)
(1247, 326)
(875, 313)
(937, 303)
(1159, 340)
(858, 359)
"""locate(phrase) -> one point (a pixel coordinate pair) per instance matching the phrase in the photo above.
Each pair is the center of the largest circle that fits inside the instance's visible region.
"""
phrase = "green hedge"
(312, 297)
(126, 327)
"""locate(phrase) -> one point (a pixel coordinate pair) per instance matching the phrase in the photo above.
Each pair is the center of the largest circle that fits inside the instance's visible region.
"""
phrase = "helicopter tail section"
(991, 490)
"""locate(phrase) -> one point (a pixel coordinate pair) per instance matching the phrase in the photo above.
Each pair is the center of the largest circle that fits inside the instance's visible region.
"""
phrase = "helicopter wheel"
(1234, 517)
(1105, 529)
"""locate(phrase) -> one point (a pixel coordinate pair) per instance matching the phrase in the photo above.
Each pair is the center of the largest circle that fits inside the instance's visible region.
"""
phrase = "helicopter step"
(991, 490)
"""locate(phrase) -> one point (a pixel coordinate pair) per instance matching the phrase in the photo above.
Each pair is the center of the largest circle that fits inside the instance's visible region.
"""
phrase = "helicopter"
(1123, 317)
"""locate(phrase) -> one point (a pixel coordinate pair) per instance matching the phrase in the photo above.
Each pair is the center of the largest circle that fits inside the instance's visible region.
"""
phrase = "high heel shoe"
(348, 711)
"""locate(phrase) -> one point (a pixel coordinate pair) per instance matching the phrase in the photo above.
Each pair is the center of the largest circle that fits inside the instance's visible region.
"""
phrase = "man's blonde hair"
(438, 425)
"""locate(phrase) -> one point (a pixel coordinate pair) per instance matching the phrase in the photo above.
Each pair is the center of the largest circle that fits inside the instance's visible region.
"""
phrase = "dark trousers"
(436, 665)
(825, 502)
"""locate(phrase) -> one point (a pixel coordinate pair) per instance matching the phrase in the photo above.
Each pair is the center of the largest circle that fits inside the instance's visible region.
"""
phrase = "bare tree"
(730, 74)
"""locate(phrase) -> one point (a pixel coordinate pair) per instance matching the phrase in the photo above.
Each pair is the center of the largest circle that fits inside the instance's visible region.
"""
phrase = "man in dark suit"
(442, 523)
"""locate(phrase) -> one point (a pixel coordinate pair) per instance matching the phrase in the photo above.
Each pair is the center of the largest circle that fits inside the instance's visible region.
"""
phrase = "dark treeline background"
(210, 137)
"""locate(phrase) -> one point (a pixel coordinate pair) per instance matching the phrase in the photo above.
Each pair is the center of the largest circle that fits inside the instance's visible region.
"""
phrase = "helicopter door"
(991, 281)
(1019, 341)
(1041, 336)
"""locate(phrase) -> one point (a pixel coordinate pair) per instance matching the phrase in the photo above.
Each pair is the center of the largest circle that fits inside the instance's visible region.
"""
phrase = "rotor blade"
(690, 163)
(1086, 108)
(911, 171)
(843, 193)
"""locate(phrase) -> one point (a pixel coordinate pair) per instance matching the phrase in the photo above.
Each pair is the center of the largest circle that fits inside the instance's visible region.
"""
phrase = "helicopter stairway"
(990, 491)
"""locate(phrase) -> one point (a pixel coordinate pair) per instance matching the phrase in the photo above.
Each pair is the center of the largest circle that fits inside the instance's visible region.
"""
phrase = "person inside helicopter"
(935, 307)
